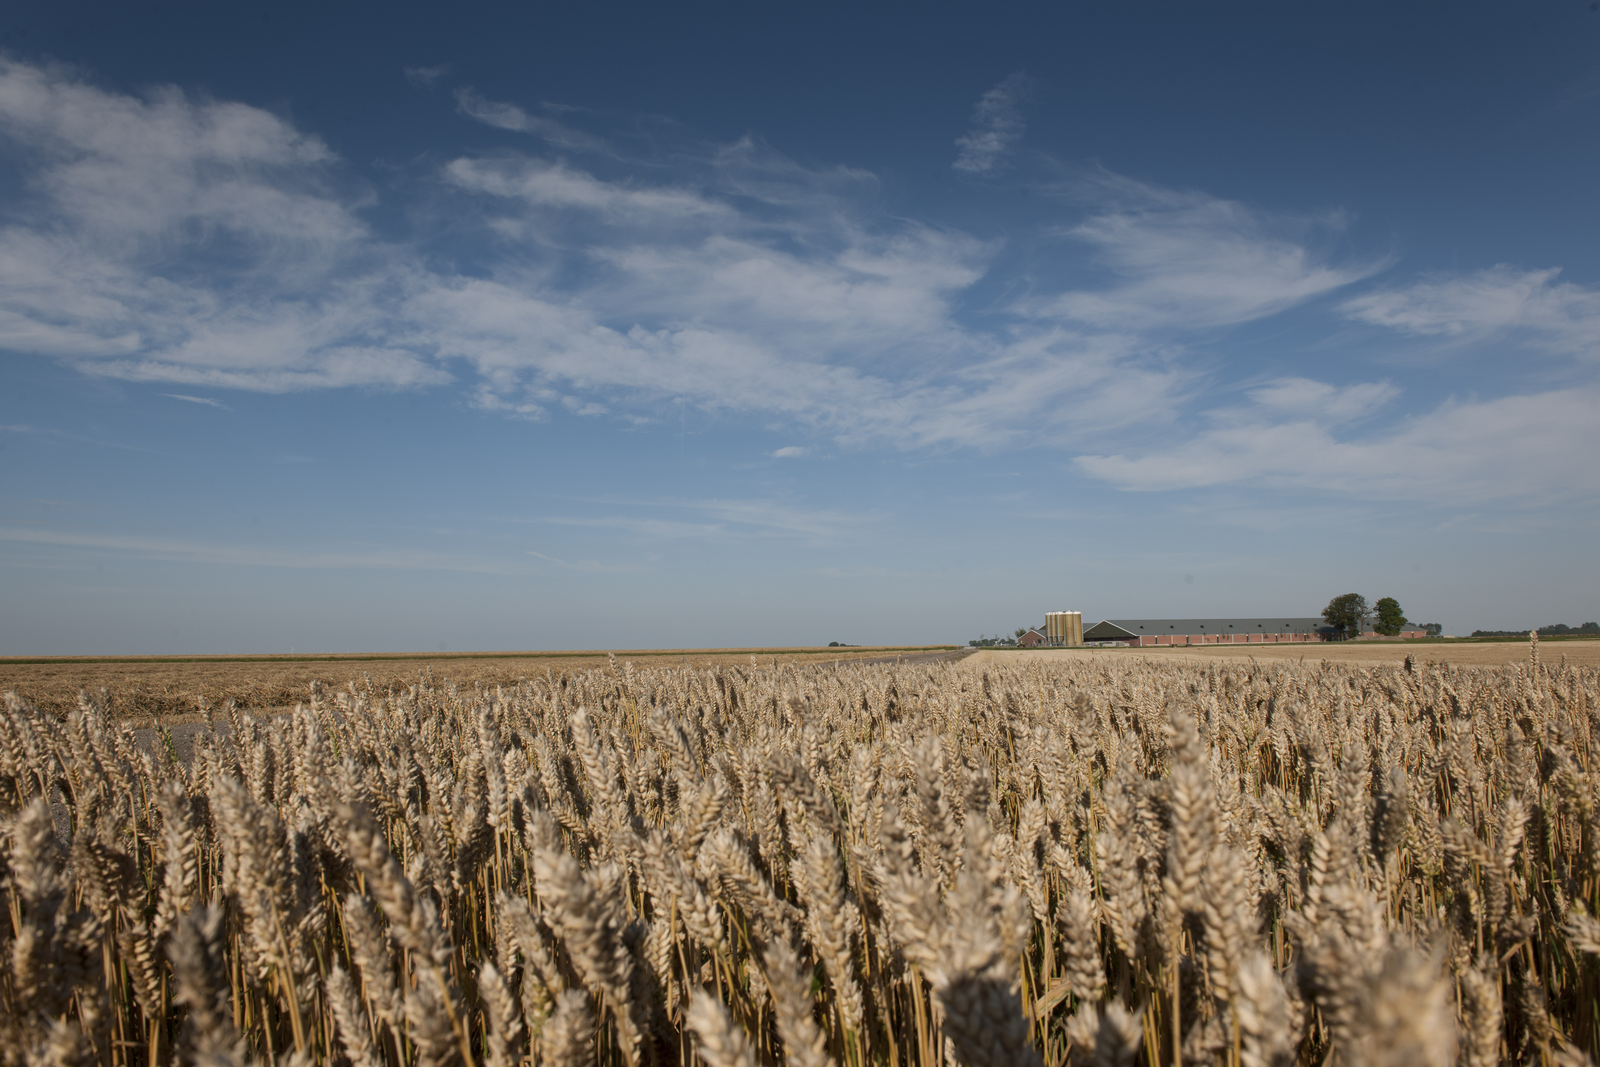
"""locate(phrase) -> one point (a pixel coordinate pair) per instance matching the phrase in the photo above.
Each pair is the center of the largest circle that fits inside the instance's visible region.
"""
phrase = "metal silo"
(1063, 628)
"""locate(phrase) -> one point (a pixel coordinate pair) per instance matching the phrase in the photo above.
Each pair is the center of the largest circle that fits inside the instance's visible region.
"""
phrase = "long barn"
(1208, 631)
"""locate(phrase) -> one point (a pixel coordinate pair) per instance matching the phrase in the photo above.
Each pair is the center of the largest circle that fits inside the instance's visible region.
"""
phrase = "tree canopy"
(1346, 612)
(1391, 620)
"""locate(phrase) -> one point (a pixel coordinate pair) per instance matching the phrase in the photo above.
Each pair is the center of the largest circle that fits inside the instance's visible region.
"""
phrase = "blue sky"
(404, 327)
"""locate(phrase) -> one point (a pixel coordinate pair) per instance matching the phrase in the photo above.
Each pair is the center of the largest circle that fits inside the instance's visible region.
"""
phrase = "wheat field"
(171, 688)
(1097, 861)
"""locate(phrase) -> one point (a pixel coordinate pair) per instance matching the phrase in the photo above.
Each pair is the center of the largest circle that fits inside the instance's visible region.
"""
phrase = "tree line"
(1558, 629)
(1347, 612)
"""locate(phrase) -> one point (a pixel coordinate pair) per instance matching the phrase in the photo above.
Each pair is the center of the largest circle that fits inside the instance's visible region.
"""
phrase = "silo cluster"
(1063, 628)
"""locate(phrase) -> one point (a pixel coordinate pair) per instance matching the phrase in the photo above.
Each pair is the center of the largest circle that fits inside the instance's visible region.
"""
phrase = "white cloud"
(1325, 404)
(587, 409)
(996, 127)
(1188, 260)
(188, 241)
(1558, 315)
(588, 566)
(716, 518)
(172, 239)
(790, 452)
(198, 400)
(254, 556)
(1532, 449)
(656, 529)
(778, 518)
(557, 186)
(801, 309)
(511, 117)
(126, 170)
(426, 77)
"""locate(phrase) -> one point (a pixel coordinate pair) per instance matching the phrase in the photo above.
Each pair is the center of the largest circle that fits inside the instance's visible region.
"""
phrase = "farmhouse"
(1032, 639)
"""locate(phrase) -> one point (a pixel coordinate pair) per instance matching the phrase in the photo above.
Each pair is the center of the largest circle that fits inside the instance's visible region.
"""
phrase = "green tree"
(1433, 629)
(1390, 618)
(1346, 612)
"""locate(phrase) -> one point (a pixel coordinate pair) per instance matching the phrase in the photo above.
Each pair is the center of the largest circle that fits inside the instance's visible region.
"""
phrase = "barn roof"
(1121, 629)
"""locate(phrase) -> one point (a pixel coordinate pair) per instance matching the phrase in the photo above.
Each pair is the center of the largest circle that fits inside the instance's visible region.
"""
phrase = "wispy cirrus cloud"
(235, 555)
(1321, 403)
(997, 126)
(508, 116)
(719, 518)
(1501, 300)
(587, 566)
(191, 242)
(1297, 434)
(779, 518)
(207, 401)
(426, 77)
(557, 186)
(1188, 260)
(1518, 448)
(653, 529)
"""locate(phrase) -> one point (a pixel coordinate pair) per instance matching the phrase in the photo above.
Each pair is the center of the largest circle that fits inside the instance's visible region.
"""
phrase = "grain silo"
(1063, 628)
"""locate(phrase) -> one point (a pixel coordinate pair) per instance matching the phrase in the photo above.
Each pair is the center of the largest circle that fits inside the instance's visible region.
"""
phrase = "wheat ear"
(722, 1043)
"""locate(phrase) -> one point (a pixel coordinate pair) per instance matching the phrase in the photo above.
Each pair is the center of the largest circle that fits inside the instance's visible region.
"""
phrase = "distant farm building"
(1208, 631)
(1064, 629)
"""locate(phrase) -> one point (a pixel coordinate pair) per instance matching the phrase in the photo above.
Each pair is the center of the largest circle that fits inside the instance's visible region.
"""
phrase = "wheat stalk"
(1099, 861)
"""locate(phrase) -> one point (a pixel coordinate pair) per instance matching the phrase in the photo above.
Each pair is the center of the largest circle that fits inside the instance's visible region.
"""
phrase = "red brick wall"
(1257, 638)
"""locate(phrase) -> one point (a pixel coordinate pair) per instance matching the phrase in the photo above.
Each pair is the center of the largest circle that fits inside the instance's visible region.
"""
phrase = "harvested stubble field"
(1580, 652)
(179, 688)
(1106, 860)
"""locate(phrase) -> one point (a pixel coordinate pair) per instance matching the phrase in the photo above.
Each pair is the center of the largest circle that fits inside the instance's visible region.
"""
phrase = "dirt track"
(1578, 653)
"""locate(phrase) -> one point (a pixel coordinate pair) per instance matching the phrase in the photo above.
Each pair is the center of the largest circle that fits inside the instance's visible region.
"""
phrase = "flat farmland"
(175, 687)
(1579, 653)
(1081, 857)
